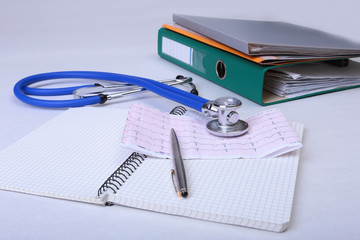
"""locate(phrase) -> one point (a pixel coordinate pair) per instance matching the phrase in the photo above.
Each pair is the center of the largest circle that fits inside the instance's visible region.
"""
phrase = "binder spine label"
(177, 50)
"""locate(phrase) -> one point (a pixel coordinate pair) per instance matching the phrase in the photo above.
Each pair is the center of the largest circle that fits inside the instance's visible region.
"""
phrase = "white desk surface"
(121, 36)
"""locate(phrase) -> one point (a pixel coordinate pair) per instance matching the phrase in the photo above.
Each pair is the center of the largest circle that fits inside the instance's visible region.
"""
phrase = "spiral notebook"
(77, 156)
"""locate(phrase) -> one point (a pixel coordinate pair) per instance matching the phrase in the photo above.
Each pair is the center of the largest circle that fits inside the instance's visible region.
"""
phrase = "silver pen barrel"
(180, 176)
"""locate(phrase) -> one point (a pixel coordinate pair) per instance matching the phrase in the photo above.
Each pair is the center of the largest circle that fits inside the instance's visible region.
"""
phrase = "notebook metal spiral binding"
(179, 110)
(119, 177)
(128, 167)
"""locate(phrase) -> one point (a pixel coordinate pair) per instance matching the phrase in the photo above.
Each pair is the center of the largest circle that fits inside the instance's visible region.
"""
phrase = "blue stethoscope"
(227, 123)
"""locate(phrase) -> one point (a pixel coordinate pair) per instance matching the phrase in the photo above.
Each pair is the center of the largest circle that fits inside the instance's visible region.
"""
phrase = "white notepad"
(77, 156)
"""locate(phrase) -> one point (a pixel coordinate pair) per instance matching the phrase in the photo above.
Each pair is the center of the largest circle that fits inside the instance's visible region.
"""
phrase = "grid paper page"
(256, 193)
(147, 131)
(69, 157)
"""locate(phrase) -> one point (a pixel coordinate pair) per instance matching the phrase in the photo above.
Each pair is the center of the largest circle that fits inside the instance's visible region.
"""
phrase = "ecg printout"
(147, 131)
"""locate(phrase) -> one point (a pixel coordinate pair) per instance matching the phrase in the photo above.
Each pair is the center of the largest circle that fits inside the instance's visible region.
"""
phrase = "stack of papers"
(301, 79)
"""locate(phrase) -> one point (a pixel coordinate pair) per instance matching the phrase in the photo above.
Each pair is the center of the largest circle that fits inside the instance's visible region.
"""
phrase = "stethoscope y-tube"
(226, 125)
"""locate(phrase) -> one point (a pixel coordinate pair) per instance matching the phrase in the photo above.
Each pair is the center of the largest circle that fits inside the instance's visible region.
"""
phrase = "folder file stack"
(259, 59)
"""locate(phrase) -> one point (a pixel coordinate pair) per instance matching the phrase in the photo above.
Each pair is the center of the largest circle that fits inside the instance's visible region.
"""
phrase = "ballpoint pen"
(178, 173)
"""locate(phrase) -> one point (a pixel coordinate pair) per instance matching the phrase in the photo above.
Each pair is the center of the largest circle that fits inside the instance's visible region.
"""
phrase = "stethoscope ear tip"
(195, 92)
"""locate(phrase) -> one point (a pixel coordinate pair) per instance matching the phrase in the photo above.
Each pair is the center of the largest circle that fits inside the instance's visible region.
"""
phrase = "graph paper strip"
(147, 130)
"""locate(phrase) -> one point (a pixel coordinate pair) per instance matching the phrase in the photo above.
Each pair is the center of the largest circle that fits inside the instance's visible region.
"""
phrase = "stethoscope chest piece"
(237, 129)
(227, 123)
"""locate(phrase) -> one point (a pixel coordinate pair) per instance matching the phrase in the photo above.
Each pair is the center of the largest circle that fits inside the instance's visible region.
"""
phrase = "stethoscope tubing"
(21, 89)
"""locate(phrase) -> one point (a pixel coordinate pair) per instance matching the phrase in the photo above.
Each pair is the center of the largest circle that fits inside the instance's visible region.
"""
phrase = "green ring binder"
(243, 76)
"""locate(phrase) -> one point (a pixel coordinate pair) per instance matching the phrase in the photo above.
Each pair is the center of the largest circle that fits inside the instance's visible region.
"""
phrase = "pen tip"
(184, 194)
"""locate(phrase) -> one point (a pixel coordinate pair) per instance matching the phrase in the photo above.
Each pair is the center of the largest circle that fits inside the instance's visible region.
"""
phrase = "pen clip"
(174, 183)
